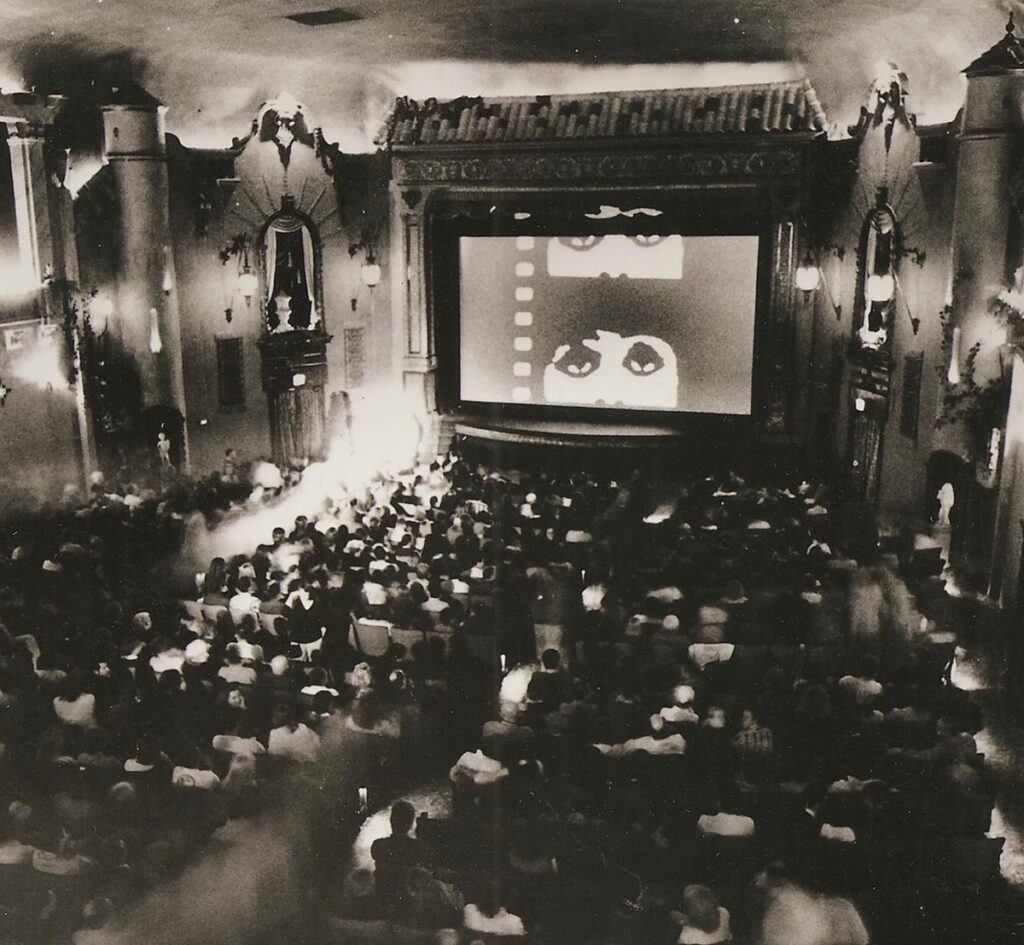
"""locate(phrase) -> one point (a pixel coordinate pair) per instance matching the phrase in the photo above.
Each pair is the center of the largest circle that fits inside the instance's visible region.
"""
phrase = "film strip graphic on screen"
(522, 363)
(593, 365)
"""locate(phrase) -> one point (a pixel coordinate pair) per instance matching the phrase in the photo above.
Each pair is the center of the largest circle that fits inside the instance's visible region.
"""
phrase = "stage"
(559, 433)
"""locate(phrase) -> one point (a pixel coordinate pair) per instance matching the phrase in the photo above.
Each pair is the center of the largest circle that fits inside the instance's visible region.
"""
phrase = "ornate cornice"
(735, 164)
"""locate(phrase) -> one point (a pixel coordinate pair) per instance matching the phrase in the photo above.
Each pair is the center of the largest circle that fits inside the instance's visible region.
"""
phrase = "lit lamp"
(369, 272)
(100, 310)
(953, 374)
(247, 284)
(881, 287)
(808, 277)
(156, 344)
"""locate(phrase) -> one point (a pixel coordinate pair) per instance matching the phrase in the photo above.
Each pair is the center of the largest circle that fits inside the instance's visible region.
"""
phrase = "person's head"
(715, 717)
(748, 720)
(245, 584)
(403, 816)
(446, 937)
(701, 908)
(278, 535)
(551, 659)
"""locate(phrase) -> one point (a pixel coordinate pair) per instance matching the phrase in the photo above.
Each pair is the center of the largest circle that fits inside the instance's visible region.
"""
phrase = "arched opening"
(946, 497)
(291, 252)
(877, 281)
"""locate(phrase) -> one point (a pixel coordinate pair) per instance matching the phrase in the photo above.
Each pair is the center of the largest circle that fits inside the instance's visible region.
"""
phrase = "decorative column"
(47, 248)
(414, 328)
(28, 169)
(146, 320)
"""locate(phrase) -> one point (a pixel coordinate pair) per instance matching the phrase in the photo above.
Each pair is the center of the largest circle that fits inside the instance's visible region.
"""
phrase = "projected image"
(640, 371)
(615, 321)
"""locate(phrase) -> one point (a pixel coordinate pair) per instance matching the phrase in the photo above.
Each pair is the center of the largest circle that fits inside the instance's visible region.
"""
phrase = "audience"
(703, 721)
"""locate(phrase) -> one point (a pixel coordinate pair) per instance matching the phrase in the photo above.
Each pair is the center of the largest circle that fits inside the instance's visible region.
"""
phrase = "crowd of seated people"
(722, 719)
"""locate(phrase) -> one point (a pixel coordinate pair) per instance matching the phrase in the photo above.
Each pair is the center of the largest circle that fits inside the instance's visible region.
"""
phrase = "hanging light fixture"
(248, 284)
(370, 273)
(156, 344)
(881, 287)
(808, 276)
(953, 374)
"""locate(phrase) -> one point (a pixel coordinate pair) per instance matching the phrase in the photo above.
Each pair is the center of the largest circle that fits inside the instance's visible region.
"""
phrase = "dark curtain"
(297, 424)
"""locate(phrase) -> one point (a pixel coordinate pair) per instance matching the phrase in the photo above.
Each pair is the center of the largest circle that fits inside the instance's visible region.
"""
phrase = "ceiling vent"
(324, 17)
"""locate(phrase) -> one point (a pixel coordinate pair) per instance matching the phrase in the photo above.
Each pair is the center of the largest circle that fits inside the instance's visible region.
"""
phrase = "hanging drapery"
(290, 224)
(298, 425)
(271, 258)
(307, 260)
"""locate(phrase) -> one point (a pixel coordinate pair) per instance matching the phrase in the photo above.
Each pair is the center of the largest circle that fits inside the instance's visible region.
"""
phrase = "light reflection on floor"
(434, 800)
(1001, 741)
(1005, 762)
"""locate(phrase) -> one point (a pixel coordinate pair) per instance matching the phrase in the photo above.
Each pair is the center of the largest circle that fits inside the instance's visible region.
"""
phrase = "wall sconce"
(168, 283)
(953, 374)
(298, 380)
(860, 404)
(370, 273)
(915, 323)
(156, 344)
(808, 276)
(881, 287)
(100, 309)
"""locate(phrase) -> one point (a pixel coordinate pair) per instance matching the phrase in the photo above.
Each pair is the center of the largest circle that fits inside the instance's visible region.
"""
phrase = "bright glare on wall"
(298, 380)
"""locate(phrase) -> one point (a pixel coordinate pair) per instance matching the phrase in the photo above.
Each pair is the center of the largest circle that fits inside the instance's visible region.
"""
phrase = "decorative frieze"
(663, 166)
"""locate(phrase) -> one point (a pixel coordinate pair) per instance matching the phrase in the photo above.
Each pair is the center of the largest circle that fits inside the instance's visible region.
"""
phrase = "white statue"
(163, 449)
(947, 499)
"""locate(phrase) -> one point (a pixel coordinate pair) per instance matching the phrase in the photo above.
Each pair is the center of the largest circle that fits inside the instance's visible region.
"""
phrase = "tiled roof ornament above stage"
(772, 107)
(1007, 55)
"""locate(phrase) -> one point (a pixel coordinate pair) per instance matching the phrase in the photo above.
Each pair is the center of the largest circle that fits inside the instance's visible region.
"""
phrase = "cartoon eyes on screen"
(616, 256)
(637, 371)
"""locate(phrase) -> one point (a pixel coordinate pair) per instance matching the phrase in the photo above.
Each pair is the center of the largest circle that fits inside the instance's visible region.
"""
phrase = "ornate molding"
(666, 166)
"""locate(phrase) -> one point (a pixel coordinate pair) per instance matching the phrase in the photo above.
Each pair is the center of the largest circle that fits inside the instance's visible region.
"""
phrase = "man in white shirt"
(244, 601)
(294, 740)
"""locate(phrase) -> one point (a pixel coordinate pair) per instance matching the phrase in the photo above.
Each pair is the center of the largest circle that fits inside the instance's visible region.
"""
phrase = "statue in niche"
(163, 449)
(947, 499)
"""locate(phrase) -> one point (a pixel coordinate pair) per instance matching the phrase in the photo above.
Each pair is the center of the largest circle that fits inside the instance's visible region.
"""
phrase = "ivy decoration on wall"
(978, 405)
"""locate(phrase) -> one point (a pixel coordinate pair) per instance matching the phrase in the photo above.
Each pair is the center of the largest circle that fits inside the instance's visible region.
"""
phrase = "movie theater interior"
(542, 472)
